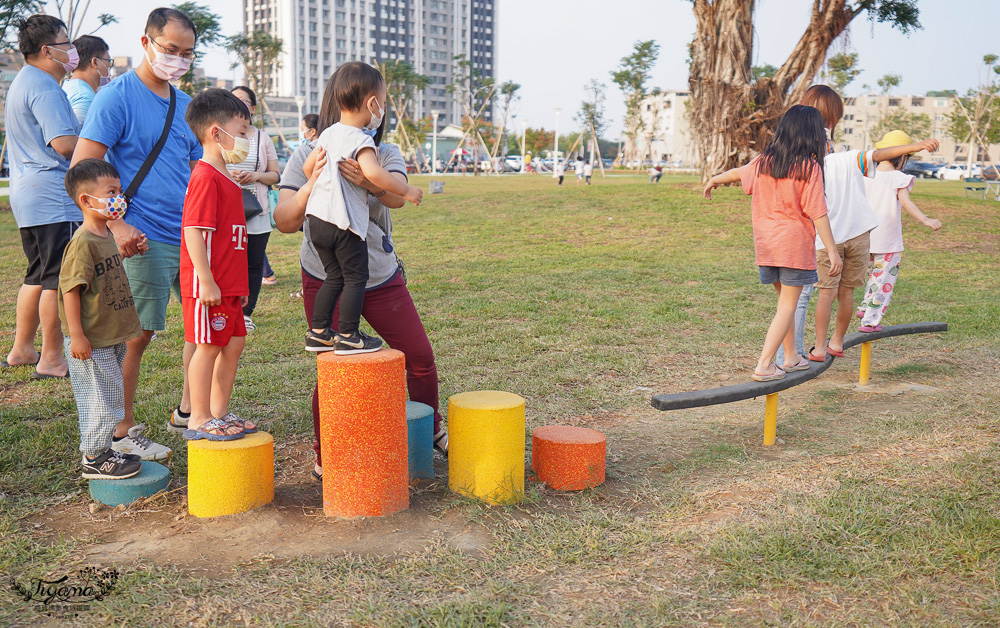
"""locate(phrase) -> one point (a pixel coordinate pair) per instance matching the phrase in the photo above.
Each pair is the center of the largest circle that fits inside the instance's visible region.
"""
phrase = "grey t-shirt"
(382, 266)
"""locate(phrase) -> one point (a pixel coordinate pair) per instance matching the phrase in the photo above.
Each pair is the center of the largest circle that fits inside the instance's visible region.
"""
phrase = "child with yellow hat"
(888, 194)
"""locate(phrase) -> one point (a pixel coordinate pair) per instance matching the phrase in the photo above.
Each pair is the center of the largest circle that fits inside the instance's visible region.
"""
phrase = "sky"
(555, 47)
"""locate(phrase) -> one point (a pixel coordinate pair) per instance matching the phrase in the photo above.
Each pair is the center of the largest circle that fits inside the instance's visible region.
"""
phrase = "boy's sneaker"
(248, 323)
(111, 465)
(178, 422)
(318, 343)
(358, 342)
(441, 441)
(137, 444)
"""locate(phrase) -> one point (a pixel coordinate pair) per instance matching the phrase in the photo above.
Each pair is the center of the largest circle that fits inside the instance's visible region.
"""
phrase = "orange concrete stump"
(568, 458)
(362, 410)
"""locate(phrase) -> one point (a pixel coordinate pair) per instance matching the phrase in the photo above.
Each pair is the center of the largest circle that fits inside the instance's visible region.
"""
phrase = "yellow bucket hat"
(894, 138)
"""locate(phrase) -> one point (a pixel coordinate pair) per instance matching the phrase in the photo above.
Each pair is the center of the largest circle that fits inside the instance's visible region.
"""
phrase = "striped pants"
(881, 282)
(98, 388)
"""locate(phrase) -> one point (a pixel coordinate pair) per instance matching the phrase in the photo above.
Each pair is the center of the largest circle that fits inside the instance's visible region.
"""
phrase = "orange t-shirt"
(782, 212)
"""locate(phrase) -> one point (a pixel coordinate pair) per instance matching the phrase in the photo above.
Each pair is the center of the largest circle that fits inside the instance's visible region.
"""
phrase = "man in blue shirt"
(93, 73)
(41, 135)
(123, 125)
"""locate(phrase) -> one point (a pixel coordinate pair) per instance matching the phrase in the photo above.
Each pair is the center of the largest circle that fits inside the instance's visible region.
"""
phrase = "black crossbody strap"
(148, 164)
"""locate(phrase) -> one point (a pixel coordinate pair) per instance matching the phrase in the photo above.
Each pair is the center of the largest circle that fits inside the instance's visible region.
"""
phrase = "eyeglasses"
(247, 103)
(60, 43)
(108, 61)
(190, 55)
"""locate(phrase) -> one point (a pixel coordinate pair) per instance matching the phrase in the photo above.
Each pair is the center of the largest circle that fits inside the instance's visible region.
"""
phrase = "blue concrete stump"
(152, 479)
(420, 439)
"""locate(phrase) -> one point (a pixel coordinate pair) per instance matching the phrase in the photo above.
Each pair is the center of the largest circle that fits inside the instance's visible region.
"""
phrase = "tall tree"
(401, 82)
(209, 29)
(889, 82)
(10, 12)
(506, 95)
(763, 71)
(631, 77)
(975, 119)
(72, 14)
(259, 54)
(732, 115)
(916, 125)
(592, 115)
(843, 70)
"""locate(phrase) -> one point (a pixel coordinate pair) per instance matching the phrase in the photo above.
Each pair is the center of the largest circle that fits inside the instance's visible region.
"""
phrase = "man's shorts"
(854, 254)
(786, 276)
(151, 277)
(215, 324)
(44, 246)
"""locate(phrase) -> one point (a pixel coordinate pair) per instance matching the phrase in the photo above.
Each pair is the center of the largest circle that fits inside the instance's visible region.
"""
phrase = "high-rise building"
(319, 35)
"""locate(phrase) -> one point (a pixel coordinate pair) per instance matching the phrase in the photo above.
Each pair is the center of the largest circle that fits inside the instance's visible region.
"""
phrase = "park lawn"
(875, 508)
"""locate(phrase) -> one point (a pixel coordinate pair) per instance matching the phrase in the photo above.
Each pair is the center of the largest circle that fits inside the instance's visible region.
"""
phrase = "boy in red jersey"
(214, 285)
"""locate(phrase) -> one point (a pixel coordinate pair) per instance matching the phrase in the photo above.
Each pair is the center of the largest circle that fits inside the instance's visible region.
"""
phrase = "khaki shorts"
(854, 254)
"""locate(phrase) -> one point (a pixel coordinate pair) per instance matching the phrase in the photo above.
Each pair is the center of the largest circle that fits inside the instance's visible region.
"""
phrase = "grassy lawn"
(877, 507)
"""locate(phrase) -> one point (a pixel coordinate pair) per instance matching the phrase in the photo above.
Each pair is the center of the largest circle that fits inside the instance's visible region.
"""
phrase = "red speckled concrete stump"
(362, 410)
(568, 458)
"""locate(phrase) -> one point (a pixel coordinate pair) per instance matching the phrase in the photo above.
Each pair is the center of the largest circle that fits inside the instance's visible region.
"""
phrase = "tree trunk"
(732, 116)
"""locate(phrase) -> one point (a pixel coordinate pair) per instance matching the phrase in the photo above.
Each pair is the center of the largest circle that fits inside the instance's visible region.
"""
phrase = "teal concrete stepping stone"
(152, 479)
(420, 439)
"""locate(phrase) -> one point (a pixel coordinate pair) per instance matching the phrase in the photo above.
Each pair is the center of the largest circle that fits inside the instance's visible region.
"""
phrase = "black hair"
(329, 111)
(214, 106)
(355, 85)
(159, 18)
(87, 172)
(899, 162)
(35, 32)
(253, 96)
(798, 145)
(311, 120)
(90, 48)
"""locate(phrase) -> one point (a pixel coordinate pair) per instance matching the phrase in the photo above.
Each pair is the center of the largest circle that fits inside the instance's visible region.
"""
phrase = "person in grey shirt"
(388, 306)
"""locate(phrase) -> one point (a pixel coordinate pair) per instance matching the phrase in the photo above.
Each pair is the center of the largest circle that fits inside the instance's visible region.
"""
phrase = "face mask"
(114, 207)
(239, 152)
(376, 120)
(169, 67)
(103, 80)
(73, 59)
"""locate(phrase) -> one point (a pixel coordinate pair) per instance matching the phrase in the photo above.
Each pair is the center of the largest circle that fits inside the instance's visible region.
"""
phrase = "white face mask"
(168, 67)
(376, 120)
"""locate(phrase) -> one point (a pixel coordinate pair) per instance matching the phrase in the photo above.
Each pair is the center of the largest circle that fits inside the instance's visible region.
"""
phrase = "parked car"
(956, 172)
(513, 162)
(990, 173)
(919, 169)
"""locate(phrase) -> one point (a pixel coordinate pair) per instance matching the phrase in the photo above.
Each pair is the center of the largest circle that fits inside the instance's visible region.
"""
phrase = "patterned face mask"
(114, 207)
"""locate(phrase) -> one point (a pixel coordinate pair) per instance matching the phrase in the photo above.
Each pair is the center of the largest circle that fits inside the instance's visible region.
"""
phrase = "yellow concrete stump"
(486, 445)
(866, 363)
(230, 477)
(770, 418)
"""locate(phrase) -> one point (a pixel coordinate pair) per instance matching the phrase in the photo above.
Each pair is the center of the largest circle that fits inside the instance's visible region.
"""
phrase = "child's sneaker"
(137, 444)
(358, 342)
(318, 343)
(111, 465)
(441, 441)
(178, 422)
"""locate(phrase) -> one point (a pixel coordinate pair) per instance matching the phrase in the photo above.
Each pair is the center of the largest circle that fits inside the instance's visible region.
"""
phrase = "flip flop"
(803, 365)
(776, 375)
(868, 329)
(316, 476)
(37, 375)
(814, 358)
(834, 352)
(4, 365)
(214, 424)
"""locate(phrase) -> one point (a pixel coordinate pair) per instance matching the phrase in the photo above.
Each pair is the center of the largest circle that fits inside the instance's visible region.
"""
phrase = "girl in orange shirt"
(788, 209)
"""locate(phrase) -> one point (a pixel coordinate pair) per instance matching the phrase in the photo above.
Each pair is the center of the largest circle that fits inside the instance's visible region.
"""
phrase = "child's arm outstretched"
(381, 177)
(209, 291)
(891, 152)
(912, 209)
(826, 237)
(79, 344)
(729, 176)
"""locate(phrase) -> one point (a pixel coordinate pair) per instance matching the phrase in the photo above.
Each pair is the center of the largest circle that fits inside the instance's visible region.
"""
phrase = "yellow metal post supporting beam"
(770, 418)
(866, 363)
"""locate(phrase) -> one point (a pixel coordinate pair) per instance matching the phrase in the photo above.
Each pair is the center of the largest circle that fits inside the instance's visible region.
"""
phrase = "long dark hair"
(329, 110)
(798, 145)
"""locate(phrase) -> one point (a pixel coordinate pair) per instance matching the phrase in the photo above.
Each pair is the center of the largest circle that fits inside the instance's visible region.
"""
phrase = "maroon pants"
(390, 311)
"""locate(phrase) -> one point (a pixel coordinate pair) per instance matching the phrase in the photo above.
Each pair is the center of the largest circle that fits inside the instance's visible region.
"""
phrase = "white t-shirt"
(559, 171)
(846, 203)
(588, 169)
(579, 168)
(334, 199)
(887, 237)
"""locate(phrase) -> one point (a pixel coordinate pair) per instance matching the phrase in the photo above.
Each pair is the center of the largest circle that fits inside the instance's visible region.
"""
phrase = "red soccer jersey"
(214, 204)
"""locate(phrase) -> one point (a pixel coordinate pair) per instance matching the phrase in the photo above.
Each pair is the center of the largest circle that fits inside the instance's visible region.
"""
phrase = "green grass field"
(875, 508)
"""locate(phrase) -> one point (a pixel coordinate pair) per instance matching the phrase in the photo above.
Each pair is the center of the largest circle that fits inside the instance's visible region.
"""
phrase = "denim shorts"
(787, 276)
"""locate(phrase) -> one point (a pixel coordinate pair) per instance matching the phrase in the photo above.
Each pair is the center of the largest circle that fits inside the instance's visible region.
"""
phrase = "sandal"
(296, 295)
(815, 358)
(216, 429)
(7, 365)
(316, 476)
(834, 352)
(776, 375)
(249, 427)
(869, 329)
(802, 365)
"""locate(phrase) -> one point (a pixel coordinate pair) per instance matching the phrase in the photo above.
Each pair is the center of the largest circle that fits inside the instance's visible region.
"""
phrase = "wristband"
(379, 195)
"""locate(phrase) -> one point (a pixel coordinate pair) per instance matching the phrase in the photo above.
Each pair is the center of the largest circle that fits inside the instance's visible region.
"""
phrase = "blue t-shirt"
(37, 113)
(128, 118)
(80, 95)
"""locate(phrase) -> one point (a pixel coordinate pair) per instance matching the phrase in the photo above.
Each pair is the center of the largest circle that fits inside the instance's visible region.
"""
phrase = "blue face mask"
(370, 132)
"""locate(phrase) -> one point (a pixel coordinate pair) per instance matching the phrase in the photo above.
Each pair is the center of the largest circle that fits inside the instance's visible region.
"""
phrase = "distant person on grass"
(93, 73)
(889, 195)
(388, 306)
(214, 287)
(124, 124)
(578, 167)
(559, 171)
(98, 319)
(41, 135)
(588, 171)
(788, 210)
(655, 172)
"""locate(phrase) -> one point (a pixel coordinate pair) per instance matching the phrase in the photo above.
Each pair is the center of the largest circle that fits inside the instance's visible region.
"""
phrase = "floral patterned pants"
(884, 270)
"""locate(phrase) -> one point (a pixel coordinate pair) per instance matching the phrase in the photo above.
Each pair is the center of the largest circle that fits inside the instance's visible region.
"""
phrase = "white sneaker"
(137, 444)
(248, 322)
(441, 441)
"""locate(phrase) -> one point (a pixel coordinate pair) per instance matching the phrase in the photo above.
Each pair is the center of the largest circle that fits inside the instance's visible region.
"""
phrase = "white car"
(957, 172)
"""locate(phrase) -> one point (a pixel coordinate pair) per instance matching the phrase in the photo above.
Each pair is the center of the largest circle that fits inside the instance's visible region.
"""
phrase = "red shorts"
(213, 325)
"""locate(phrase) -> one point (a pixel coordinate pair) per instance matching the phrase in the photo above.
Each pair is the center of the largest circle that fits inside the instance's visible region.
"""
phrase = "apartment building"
(319, 35)
(666, 132)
